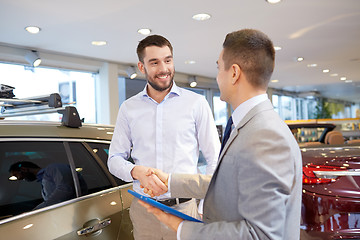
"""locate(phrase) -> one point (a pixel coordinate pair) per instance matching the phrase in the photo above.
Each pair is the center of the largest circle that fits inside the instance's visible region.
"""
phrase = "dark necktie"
(226, 133)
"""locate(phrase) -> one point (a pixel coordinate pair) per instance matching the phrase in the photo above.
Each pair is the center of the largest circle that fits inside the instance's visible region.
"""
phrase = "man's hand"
(149, 181)
(169, 220)
(164, 177)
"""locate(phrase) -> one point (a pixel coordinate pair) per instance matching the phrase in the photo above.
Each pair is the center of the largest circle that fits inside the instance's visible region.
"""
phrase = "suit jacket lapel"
(266, 105)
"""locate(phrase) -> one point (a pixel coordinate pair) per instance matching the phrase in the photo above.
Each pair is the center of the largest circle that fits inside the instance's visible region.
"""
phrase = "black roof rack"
(12, 107)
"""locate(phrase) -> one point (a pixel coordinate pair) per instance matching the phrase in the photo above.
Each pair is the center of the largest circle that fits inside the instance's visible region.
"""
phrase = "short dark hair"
(16, 166)
(254, 52)
(152, 40)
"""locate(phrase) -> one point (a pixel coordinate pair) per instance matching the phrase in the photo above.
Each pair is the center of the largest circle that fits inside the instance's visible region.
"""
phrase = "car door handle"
(94, 228)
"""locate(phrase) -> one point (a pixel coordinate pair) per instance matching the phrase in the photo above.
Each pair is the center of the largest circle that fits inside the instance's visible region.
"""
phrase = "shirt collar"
(174, 91)
(240, 112)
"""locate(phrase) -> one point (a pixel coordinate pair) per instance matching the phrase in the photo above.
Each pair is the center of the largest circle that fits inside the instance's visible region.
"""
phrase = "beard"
(154, 84)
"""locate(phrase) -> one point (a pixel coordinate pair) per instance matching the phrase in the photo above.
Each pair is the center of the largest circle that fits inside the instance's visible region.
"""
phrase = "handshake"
(152, 180)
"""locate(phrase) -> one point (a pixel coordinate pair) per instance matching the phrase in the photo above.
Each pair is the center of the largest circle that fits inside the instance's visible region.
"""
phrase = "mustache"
(163, 73)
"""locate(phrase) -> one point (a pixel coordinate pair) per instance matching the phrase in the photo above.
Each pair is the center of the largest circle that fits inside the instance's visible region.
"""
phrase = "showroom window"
(75, 87)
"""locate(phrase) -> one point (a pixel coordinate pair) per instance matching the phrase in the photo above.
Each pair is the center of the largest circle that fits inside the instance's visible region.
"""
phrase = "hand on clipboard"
(169, 216)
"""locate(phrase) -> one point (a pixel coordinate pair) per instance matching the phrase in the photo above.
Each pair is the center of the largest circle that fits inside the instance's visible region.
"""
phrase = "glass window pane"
(43, 166)
(102, 150)
(220, 110)
(275, 102)
(76, 88)
(286, 107)
(89, 169)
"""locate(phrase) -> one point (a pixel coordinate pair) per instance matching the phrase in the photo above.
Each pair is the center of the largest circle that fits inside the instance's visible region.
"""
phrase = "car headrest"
(334, 138)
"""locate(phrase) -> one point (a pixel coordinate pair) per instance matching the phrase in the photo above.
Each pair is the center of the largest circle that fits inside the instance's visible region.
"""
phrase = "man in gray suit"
(255, 192)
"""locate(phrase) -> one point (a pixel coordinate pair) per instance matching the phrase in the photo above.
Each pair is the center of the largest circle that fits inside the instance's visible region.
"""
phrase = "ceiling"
(323, 32)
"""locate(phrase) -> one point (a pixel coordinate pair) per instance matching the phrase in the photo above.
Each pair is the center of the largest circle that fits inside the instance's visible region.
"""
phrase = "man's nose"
(162, 66)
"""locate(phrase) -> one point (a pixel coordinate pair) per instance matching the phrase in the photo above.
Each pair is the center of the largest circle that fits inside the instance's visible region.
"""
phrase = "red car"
(331, 184)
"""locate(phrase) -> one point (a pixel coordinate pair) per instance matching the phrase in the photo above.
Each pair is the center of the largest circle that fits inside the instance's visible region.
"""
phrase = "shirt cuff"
(178, 232)
(169, 180)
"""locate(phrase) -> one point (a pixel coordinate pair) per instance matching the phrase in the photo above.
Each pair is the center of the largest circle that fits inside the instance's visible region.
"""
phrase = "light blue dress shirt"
(166, 135)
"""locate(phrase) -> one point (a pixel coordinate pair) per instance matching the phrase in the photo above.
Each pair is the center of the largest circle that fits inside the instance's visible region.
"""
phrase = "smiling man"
(163, 127)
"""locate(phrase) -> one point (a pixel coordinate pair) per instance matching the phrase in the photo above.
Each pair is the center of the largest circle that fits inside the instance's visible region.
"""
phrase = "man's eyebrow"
(156, 59)
(152, 59)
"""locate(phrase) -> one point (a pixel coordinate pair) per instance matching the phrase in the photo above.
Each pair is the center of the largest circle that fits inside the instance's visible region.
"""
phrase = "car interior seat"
(334, 138)
(353, 141)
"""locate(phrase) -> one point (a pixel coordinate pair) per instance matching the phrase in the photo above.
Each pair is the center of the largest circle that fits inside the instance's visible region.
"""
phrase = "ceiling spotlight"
(33, 29)
(144, 31)
(273, 1)
(32, 57)
(277, 48)
(190, 62)
(131, 72)
(312, 65)
(201, 16)
(192, 81)
(300, 59)
(343, 78)
(274, 80)
(326, 70)
(99, 43)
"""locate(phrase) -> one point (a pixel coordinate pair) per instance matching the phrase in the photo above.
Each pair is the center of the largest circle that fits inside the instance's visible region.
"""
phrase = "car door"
(95, 210)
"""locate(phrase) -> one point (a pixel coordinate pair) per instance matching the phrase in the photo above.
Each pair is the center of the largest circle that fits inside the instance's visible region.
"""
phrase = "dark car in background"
(99, 206)
(331, 183)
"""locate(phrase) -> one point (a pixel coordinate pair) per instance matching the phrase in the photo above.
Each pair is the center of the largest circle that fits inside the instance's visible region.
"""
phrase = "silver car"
(54, 183)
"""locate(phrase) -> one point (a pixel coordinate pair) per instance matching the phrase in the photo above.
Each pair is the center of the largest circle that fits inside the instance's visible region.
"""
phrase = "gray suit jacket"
(255, 192)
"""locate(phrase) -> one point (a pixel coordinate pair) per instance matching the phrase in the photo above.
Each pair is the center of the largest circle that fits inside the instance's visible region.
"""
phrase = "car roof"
(17, 128)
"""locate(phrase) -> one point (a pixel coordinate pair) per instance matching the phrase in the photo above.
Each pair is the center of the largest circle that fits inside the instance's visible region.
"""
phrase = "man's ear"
(236, 73)
(141, 67)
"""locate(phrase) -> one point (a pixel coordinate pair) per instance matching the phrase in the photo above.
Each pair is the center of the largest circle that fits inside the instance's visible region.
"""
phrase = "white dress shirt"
(164, 135)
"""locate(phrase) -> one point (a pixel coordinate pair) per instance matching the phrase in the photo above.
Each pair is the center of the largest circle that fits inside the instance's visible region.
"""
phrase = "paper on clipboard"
(163, 207)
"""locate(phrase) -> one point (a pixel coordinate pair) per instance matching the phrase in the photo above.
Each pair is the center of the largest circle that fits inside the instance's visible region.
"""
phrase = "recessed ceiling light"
(343, 78)
(273, 1)
(334, 75)
(277, 48)
(348, 81)
(144, 31)
(98, 43)
(190, 62)
(33, 29)
(274, 81)
(312, 65)
(201, 16)
(326, 70)
(300, 59)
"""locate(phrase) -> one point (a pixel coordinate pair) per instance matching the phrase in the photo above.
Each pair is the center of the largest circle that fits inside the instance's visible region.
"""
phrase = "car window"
(102, 150)
(308, 134)
(35, 187)
(85, 164)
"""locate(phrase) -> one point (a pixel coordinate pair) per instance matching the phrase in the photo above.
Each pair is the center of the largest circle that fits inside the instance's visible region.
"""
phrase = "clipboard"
(163, 207)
